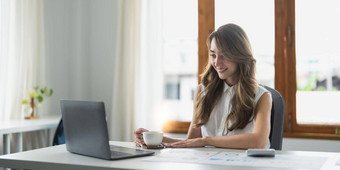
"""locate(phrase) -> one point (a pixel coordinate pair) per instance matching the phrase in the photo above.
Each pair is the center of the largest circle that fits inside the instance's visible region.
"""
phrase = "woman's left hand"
(187, 143)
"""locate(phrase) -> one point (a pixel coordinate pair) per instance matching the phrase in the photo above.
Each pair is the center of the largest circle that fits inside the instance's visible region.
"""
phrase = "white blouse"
(216, 123)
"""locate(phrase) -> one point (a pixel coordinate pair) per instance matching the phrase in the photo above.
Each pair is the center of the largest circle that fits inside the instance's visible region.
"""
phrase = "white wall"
(81, 43)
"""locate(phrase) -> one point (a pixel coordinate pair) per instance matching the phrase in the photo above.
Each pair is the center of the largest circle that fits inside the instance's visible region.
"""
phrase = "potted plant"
(36, 95)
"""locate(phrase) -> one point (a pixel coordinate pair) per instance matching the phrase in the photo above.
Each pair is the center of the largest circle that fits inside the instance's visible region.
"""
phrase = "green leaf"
(42, 91)
(51, 92)
(36, 88)
(40, 98)
(33, 94)
(24, 101)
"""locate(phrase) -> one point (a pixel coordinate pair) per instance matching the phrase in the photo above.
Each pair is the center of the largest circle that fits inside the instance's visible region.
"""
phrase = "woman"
(230, 109)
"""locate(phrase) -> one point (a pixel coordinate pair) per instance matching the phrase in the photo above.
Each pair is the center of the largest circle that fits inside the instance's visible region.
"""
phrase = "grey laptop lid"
(86, 131)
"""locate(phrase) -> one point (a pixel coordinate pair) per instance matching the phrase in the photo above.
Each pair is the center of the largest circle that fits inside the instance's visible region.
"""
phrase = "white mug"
(153, 138)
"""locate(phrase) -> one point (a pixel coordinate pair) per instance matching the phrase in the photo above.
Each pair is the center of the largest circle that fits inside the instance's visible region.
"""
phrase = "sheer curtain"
(22, 58)
(137, 88)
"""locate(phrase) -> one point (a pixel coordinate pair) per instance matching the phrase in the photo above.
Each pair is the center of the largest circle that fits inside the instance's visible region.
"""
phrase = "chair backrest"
(59, 137)
(276, 119)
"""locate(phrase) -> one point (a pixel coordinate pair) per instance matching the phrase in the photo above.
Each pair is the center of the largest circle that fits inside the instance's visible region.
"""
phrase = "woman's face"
(224, 67)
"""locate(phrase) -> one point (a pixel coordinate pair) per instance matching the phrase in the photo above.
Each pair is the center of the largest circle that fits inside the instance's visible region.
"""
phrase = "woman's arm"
(257, 139)
(195, 132)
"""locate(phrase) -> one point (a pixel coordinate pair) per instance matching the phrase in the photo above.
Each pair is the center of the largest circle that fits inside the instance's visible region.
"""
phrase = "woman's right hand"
(139, 136)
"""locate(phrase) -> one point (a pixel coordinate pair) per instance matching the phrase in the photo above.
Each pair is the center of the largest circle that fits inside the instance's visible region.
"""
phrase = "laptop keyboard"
(118, 154)
(122, 151)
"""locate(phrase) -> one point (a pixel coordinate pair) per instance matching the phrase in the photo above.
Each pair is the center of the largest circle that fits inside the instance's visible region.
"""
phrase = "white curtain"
(22, 58)
(137, 88)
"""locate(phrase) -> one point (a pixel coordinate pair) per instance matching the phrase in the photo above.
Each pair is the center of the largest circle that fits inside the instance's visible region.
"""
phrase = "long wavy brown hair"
(234, 44)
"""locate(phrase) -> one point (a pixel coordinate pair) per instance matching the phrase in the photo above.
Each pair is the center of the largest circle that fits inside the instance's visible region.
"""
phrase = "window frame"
(285, 67)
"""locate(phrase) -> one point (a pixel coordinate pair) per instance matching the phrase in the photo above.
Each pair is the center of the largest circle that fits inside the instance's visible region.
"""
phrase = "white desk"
(17, 127)
(56, 158)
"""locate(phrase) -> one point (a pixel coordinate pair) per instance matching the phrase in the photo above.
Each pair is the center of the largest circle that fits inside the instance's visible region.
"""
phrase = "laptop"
(86, 131)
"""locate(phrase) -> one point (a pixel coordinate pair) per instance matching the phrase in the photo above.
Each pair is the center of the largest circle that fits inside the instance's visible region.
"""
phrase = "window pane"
(180, 31)
(258, 23)
(317, 61)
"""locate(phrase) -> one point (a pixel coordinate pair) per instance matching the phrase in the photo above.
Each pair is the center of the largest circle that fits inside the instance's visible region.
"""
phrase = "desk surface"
(56, 157)
(14, 126)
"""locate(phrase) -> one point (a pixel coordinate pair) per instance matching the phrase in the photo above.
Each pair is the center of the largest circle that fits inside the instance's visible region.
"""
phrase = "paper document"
(181, 155)
(279, 161)
(338, 162)
(239, 159)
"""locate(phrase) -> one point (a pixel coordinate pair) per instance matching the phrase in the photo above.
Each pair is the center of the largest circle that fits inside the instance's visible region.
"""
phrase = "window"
(180, 57)
(303, 67)
(298, 66)
(317, 61)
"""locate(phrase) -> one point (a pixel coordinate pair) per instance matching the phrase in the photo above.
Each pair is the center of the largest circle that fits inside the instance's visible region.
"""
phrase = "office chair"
(276, 119)
(59, 137)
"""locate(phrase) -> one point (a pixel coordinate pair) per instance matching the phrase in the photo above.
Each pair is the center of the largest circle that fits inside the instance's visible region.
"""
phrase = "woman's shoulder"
(260, 90)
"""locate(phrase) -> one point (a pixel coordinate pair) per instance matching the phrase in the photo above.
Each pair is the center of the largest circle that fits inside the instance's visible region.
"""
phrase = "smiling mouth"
(221, 70)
